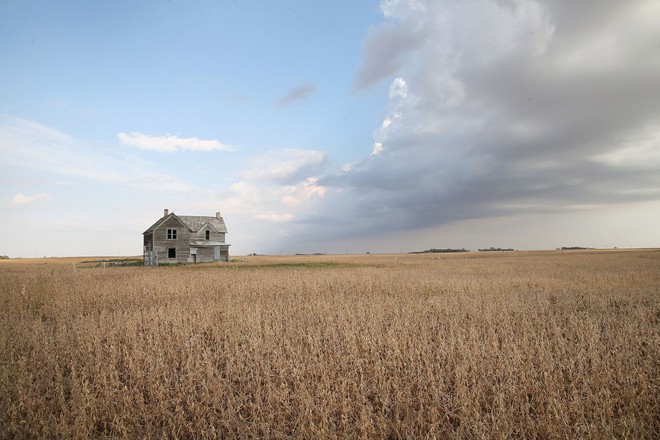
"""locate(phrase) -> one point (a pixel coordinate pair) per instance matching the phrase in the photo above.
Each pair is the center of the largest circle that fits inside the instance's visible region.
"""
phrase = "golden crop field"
(475, 345)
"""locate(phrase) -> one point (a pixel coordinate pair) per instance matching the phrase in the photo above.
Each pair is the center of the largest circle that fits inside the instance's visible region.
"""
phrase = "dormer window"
(171, 234)
(208, 235)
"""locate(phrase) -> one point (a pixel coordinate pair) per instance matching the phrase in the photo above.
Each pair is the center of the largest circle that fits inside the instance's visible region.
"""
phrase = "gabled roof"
(192, 222)
(196, 222)
(161, 221)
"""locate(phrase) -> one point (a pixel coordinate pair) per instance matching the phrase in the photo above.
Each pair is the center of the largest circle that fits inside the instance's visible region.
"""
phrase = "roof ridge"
(193, 222)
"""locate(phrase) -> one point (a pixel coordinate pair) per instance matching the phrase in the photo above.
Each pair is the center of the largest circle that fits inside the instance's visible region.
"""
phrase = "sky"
(335, 127)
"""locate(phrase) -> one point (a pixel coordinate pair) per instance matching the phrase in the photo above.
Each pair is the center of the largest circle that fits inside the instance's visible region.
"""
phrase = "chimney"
(217, 215)
(166, 212)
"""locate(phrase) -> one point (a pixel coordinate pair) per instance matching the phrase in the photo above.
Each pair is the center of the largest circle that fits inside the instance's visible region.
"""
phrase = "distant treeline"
(574, 248)
(439, 251)
(492, 249)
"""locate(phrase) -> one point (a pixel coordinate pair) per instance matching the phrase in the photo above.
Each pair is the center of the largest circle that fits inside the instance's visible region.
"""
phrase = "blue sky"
(330, 126)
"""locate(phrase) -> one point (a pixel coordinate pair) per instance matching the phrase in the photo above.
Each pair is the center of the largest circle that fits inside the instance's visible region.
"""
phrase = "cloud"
(171, 143)
(500, 108)
(296, 95)
(377, 148)
(286, 165)
(268, 200)
(21, 199)
(295, 195)
(273, 217)
(386, 50)
(280, 187)
(32, 146)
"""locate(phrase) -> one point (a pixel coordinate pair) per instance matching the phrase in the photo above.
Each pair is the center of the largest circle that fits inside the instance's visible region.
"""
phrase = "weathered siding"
(204, 254)
(161, 243)
(214, 236)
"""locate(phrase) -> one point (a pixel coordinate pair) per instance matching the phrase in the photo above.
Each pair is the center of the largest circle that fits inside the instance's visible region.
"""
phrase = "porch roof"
(205, 243)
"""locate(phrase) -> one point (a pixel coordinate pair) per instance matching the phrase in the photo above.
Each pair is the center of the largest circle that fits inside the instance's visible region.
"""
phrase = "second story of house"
(186, 230)
(205, 229)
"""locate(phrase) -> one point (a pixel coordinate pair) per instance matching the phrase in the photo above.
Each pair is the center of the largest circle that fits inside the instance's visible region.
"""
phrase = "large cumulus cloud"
(498, 107)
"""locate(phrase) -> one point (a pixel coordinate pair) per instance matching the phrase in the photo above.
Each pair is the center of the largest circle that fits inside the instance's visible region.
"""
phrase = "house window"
(208, 235)
(171, 234)
(171, 252)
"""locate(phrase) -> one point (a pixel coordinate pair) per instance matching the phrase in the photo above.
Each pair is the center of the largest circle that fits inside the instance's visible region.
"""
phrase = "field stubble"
(532, 345)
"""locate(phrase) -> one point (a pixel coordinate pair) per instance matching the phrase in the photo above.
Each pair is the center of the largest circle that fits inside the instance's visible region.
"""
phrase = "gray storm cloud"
(509, 107)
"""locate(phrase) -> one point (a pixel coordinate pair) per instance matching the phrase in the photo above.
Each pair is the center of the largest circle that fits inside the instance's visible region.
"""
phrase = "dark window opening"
(171, 234)
(171, 253)
(208, 235)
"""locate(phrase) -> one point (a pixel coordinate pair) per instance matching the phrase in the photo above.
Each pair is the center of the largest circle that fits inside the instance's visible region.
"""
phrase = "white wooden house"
(185, 239)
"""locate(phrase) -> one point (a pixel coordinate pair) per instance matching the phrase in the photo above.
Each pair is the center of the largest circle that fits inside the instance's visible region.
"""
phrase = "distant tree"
(439, 251)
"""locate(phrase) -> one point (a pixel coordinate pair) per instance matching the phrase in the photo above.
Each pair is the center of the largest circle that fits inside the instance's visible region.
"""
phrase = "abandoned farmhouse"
(185, 239)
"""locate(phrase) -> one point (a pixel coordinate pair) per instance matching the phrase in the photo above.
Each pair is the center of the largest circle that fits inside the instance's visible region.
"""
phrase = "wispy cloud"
(30, 145)
(274, 217)
(22, 199)
(171, 143)
(297, 94)
(288, 164)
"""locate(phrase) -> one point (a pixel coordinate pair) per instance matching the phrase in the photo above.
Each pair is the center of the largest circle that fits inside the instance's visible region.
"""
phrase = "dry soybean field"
(561, 344)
